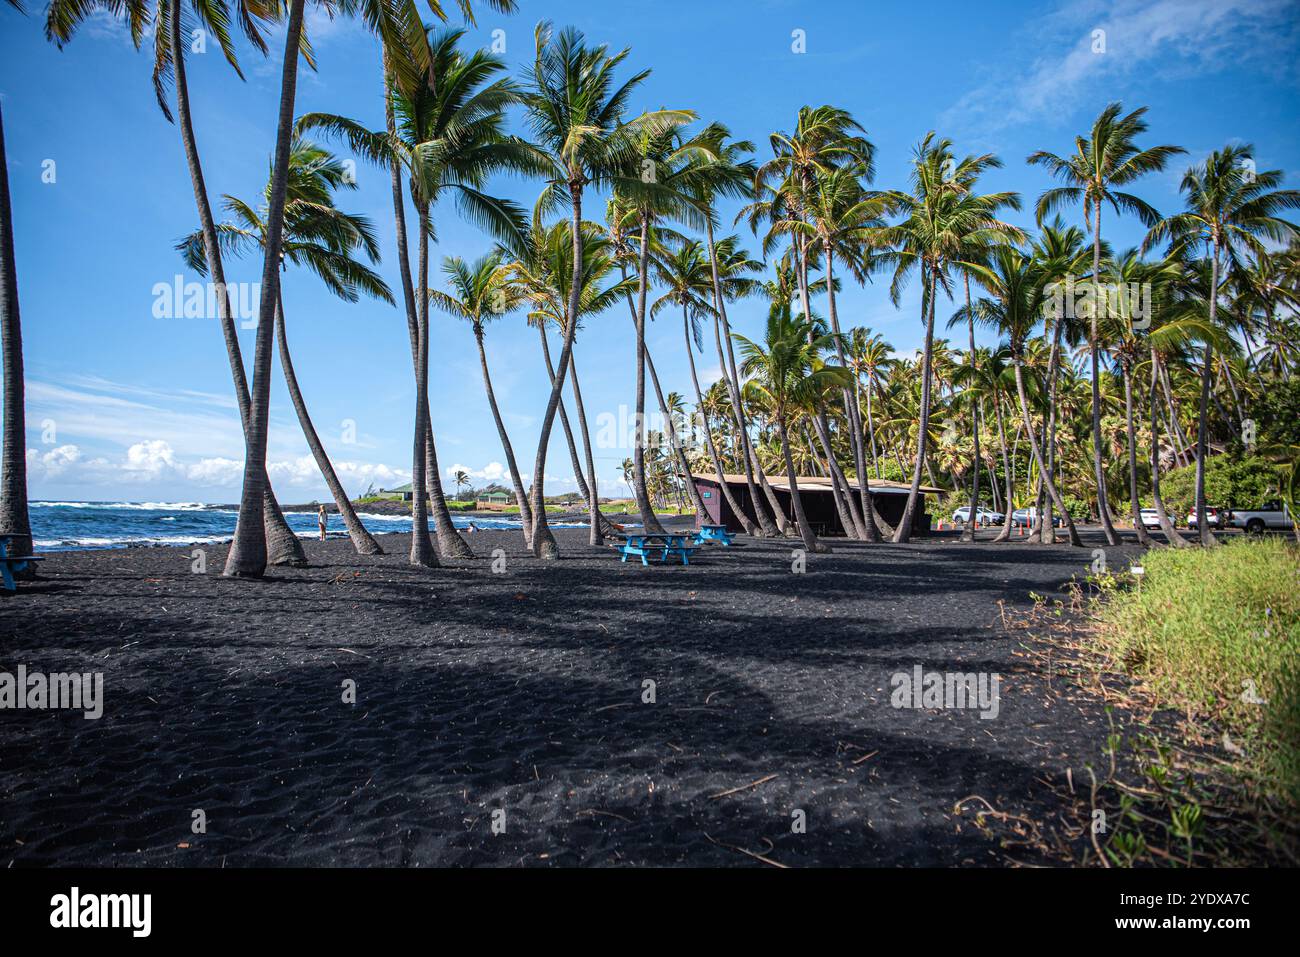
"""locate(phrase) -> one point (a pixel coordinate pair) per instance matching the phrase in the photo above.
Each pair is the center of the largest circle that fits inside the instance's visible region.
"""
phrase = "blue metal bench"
(12, 563)
(713, 533)
(643, 545)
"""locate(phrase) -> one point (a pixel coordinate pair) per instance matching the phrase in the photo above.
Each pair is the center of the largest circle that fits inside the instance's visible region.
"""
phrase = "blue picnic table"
(713, 533)
(664, 544)
(12, 563)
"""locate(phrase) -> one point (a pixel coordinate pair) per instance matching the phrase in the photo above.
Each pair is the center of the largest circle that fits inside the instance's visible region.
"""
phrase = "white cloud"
(1160, 38)
(710, 375)
(217, 472)
(155, 462)
(492, 472)
(148, 460)
(53, 463)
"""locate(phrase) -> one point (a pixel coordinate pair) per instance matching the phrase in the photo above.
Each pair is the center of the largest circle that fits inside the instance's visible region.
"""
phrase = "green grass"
(1204, 628)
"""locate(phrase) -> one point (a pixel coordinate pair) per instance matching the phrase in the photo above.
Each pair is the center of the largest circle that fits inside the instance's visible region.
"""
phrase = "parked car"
(1269, 515)
(1150, 518)
(983, 516)
(1027, 516)
(1214, 517)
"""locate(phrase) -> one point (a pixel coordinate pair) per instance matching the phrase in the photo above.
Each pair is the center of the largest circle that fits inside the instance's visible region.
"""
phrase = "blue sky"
(125, 405)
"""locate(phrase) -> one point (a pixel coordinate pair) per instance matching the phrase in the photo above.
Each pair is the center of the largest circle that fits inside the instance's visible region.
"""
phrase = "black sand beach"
(522, 691)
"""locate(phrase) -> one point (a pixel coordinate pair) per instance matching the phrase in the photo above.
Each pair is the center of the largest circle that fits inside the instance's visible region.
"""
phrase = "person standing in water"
(322, 520)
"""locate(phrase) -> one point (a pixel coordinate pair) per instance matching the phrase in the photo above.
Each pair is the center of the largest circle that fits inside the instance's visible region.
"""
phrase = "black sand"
(522, 691)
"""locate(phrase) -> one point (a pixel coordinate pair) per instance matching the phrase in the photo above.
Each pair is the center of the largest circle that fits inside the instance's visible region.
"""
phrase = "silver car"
(983, 516)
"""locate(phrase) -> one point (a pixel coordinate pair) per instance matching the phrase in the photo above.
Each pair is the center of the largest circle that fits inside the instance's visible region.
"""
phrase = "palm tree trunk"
(903, 532)
(14, 520)
(871, 425)
(805, 529)
(838, 484)
(851, 515)
(248, 552)
(841, 491)
(282, 545)
(818, 464)
(1182, 444)
(1007, 474)
(723, 486)
(678, 452)
(525, 512)
(1202, 425)
(968, 533)
(422, 550)
(593, 499)
(748, 460)
(648, 519)
(1044, 477)
(883, 528)
(1099, 472)
(663, 410)
(1047, 525)
(544, 545)
(362, 540)
(853, 415)
(1171, 533)
(451, 544)
(606, 528)
(1143, 536)
(421, 545)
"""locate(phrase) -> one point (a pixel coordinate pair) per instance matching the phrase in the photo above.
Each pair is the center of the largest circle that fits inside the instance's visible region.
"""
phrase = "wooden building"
(890, 499)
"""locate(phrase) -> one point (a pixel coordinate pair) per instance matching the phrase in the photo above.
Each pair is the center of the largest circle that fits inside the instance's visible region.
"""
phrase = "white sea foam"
(137, 506)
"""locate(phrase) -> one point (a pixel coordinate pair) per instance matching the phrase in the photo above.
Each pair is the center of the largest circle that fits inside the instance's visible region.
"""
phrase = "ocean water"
(63, 526)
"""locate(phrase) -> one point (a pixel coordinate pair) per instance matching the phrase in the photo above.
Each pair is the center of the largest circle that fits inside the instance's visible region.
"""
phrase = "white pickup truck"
(1269, 515)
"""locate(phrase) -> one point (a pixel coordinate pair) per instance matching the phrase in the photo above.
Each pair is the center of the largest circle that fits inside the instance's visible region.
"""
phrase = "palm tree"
(481, 292)
(944, 222)
(788, 371)
(447, 140)
(978, 241)
(689, 277)
(869, 356)
(1175, 323)
(396, 23)
(576, 113)
(662, 191)
(318, 235)
(825, 139)
(725, 170)
(622, 253)
(14, 521)
(1118, 333)
(247, 557)
(1018, 295)
(845, 219)
(1060, 253)
(461, 478)
(1108, 158)
(987, 380)
(63, 18)
(542, 276)
(1229, 207)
